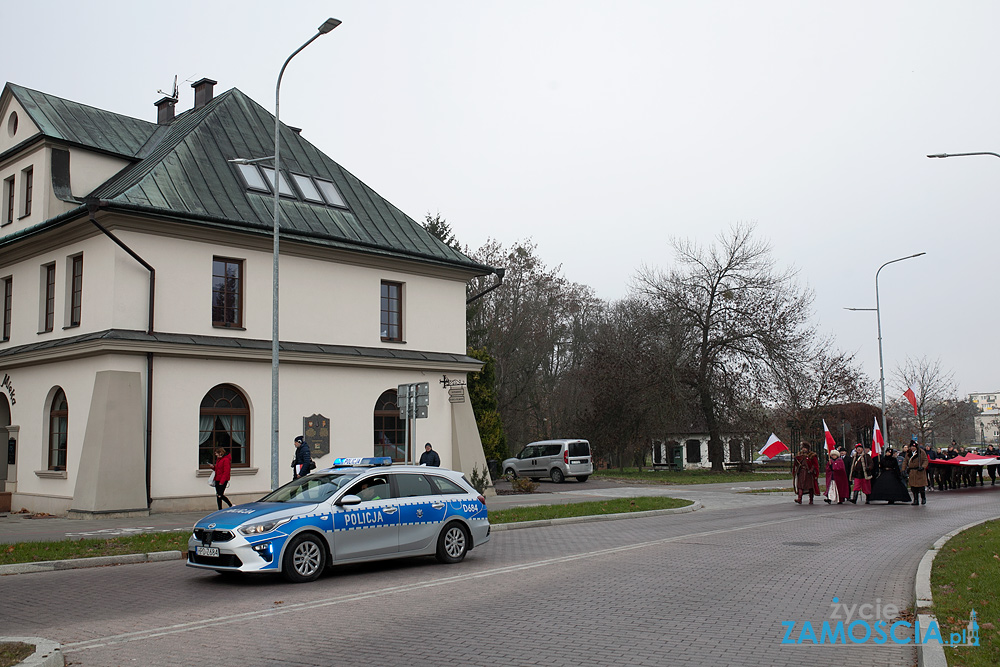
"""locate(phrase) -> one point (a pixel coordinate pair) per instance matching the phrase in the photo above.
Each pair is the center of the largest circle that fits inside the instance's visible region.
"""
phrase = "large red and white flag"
(911, 396)
(831, 444)
(773, 446)
(878, 444)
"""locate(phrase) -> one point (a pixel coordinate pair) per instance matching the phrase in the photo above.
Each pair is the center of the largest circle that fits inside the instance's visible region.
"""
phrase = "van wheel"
(453, 543)
(557, 476)
(304, 559)
(582, 478)
(510, 472)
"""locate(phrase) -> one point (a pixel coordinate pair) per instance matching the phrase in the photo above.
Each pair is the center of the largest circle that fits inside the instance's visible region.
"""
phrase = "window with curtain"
(58, 430)
(224, 421)
(390, 435)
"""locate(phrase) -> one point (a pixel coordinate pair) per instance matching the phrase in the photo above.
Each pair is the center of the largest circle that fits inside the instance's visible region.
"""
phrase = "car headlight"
(263, 527)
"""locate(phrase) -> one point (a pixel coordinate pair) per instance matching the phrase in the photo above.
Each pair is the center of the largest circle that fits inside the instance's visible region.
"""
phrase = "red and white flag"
(878, 444)
(773, 446)
(911, 396)
(831, 444)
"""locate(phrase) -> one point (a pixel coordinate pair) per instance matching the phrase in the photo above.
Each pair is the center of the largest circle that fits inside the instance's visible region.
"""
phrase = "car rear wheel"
(510, 472)
(582, 478)
(304, 559)
(453, 543)
(557, 476)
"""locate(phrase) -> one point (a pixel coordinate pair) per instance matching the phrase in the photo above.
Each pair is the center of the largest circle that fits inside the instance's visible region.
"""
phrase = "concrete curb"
(932, 655)
(98, 561)
(594, 517)
(47, 652)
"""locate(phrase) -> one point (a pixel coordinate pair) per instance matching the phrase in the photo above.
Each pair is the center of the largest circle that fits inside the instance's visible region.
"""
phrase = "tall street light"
(964, 154)
(327, 26)
(878, 317)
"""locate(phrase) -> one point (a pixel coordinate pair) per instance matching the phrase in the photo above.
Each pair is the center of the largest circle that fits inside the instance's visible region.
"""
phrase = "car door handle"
(437, 506)
(390, 510)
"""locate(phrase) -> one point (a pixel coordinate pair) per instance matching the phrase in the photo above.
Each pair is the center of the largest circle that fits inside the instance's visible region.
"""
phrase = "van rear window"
(579, 449)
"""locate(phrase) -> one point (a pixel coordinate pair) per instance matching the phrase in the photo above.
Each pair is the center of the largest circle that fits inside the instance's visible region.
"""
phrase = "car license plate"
(212, 552)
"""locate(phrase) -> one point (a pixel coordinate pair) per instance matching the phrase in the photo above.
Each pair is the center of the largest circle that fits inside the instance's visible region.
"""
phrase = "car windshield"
(312, 488)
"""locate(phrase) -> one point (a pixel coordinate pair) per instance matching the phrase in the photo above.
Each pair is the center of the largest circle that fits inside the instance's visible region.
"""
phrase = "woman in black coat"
(889, 483)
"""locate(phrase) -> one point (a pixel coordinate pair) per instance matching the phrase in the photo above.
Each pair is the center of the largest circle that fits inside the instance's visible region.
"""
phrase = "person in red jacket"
(223, 461)
(805, 473)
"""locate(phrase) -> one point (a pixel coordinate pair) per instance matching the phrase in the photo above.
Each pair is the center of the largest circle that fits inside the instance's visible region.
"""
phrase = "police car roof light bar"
(367, 461)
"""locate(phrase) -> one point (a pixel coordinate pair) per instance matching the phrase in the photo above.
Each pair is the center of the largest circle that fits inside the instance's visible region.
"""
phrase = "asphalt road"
(704, 588)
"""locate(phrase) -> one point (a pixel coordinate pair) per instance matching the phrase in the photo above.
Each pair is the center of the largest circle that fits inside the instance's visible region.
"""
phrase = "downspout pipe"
(499, 274)
(92, 209)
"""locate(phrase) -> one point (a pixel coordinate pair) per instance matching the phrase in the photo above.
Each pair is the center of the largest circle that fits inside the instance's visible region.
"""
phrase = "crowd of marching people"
(886, 476)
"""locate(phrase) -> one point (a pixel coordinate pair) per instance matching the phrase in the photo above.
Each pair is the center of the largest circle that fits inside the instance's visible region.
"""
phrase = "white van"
(556, 459)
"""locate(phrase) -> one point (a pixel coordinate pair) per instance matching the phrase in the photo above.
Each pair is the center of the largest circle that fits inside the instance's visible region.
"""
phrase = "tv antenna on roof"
(175, 94)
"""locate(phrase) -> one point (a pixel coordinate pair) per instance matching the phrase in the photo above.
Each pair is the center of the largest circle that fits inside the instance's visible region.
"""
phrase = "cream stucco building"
(135, 278)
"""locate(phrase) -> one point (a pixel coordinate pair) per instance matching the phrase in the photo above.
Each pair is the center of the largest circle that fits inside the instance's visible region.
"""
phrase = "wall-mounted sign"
(316, 430)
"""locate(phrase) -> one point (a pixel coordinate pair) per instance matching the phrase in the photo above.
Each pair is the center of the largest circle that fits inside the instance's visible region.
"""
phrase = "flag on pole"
(831, 444)
(772, 447)
(911, 396)
(878, 444)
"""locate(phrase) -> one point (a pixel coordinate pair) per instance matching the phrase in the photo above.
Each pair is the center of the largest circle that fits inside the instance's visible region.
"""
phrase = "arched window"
(224, 422)
(390, 435)
(58, 428)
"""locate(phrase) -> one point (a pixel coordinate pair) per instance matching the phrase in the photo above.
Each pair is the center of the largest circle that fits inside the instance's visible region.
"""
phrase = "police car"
(359, 510)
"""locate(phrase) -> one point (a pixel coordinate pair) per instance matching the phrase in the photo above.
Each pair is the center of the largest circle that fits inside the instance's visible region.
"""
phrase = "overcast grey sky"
(602, 129)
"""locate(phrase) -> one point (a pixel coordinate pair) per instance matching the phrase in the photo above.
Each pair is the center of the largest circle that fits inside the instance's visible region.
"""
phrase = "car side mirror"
(349, 500)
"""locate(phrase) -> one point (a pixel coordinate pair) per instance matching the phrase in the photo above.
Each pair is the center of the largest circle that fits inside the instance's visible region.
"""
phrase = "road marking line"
(152, 633)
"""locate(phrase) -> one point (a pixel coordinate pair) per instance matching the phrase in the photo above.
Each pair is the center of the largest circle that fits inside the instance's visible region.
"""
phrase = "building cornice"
(214, 348)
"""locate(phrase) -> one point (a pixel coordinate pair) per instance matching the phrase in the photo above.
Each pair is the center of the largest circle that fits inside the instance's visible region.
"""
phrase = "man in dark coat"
(302, 463)
(430, 457)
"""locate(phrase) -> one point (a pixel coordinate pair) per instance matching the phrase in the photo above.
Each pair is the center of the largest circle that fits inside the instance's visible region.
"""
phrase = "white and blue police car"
(360, 509)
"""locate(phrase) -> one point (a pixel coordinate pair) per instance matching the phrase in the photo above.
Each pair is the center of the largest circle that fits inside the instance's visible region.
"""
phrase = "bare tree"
(933, 388)
(745, 318)
(534, 327)
(827, 378)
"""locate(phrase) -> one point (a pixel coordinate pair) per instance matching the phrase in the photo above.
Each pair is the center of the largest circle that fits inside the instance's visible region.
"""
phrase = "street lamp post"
(964, 154)
(878, 318)
(327, 26)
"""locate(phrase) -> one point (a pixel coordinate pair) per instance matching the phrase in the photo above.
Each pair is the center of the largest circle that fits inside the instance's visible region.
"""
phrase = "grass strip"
(966, 575)
(616, 506)
(11, 653)
(34, 552)
(700, 476)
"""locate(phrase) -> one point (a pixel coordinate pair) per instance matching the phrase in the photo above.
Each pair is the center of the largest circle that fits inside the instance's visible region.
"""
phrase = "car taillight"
(482, 499)
(566, 456)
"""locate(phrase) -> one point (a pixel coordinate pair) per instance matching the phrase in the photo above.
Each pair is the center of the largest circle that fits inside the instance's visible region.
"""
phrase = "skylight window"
(330, 193)
(253, 178)
(285, 188)
(306, 187)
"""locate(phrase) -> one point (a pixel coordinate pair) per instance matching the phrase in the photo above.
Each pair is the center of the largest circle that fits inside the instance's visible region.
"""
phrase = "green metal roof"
(84, 125)
(181, 172)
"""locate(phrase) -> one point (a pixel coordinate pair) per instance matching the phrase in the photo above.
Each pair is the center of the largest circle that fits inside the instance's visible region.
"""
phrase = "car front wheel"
(511, 473)
(304, 559)
(557, 476)
(453, 544)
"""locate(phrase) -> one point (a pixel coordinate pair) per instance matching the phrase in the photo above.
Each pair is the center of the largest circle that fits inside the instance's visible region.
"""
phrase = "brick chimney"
(165, 110)
(203, 92)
